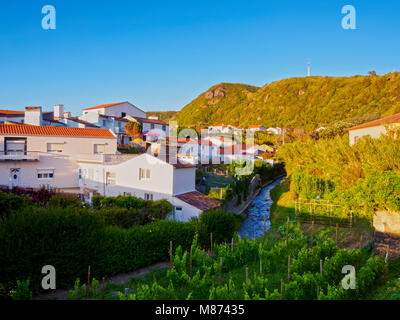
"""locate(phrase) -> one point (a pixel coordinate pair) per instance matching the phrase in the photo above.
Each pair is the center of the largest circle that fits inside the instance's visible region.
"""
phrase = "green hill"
(306, 103)
(221, 103)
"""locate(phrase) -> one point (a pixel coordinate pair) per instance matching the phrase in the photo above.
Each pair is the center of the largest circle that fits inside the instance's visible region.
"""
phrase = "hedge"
(71, 240)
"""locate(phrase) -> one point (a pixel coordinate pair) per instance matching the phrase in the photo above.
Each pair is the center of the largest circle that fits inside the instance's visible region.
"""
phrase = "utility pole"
(308, 69)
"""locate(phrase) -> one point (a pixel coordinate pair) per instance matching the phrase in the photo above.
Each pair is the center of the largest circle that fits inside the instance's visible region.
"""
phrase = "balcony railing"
(19, 156)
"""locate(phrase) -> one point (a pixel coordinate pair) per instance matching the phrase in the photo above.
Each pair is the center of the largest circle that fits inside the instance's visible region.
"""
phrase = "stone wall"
(387, 233)
(383, 240)
(389, 222)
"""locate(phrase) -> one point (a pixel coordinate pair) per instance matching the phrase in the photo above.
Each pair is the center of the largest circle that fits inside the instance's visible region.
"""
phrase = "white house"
(147, 177)
(84, 161)
(111, 116)
(115, 116)
(274, 130)
(236, 152)
(255, 128)
(153, 129)
(373, 128)
(35, 156)
(222, 128)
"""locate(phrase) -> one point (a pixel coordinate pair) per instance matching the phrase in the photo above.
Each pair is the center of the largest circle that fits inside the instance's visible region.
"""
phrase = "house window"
(123, 114)
(110, 177)
(127, 194)
(55, 147)
(152, 126)
(15, 146)
(164, 127)
(104, 123)
(45, 173)
(355, 139)
(99, 148)
(148, 196)
(144, 174)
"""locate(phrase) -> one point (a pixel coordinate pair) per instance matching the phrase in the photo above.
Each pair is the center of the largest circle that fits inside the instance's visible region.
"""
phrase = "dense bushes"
(65, 201)
(221, 223)
(309, 185)
(126, 211)
(11, 203)
(71, 238)
(363, 177)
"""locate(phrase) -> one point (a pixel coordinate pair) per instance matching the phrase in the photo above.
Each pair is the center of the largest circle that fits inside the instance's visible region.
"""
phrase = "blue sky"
(160, 55)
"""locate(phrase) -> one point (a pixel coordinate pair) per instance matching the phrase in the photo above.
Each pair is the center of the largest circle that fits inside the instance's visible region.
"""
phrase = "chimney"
(33, 116)
(58, 111)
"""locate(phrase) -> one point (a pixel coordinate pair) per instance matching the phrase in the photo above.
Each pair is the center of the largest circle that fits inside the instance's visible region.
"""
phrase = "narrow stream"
(254, 224)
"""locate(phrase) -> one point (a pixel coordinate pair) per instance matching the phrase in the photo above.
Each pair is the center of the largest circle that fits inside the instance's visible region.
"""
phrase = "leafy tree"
(133, 129)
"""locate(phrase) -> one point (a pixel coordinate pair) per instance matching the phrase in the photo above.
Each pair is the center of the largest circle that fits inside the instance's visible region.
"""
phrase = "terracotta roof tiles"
(54, 131)
(105, 105)
(199, 200)
(395, 118)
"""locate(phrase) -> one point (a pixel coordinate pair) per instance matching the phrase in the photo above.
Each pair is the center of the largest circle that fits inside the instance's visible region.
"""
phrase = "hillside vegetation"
(363, 178)
(306, 103)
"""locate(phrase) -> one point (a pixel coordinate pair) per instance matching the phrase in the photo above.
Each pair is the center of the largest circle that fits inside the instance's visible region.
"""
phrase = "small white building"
(115, 116)
(147, 177)
(84, 161)
(374, 129)
(274, 130)
(255, 128)
(36, 156)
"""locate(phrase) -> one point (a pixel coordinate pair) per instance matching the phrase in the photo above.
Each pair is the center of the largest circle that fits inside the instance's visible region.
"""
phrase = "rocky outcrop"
(218, 92)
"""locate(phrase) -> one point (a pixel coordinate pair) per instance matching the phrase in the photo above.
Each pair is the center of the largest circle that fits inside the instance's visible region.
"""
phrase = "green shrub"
(71, 239)
(220, 222)
(11, 203)
(61, 201)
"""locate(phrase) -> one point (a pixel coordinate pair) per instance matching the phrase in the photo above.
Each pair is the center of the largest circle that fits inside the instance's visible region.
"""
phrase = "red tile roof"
(255, 126)
(395, 118)
(105, 105)
(11, 112)
(146, 120)
(54, 131)
(199, 200)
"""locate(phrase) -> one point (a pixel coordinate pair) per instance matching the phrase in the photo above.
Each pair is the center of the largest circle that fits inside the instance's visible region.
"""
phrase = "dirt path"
(61, 294)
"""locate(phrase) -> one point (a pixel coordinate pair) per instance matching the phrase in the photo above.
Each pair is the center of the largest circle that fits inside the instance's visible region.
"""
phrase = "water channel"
(254, 224)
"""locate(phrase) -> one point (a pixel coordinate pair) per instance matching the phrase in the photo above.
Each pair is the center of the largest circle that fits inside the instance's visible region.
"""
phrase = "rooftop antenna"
(308, 69)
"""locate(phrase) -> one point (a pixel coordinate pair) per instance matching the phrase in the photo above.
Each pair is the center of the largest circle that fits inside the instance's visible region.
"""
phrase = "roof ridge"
(25, 129)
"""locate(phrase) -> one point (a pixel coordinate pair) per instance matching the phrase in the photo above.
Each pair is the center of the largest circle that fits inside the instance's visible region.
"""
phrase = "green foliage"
(305, 280)
(363, 178)
(220, 223)
(133, 129)
(22, 292)
(64, 202)
(11, 203)
(126, 211)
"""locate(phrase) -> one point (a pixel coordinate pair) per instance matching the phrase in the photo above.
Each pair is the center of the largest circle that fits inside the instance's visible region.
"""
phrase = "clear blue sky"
(163, 54)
